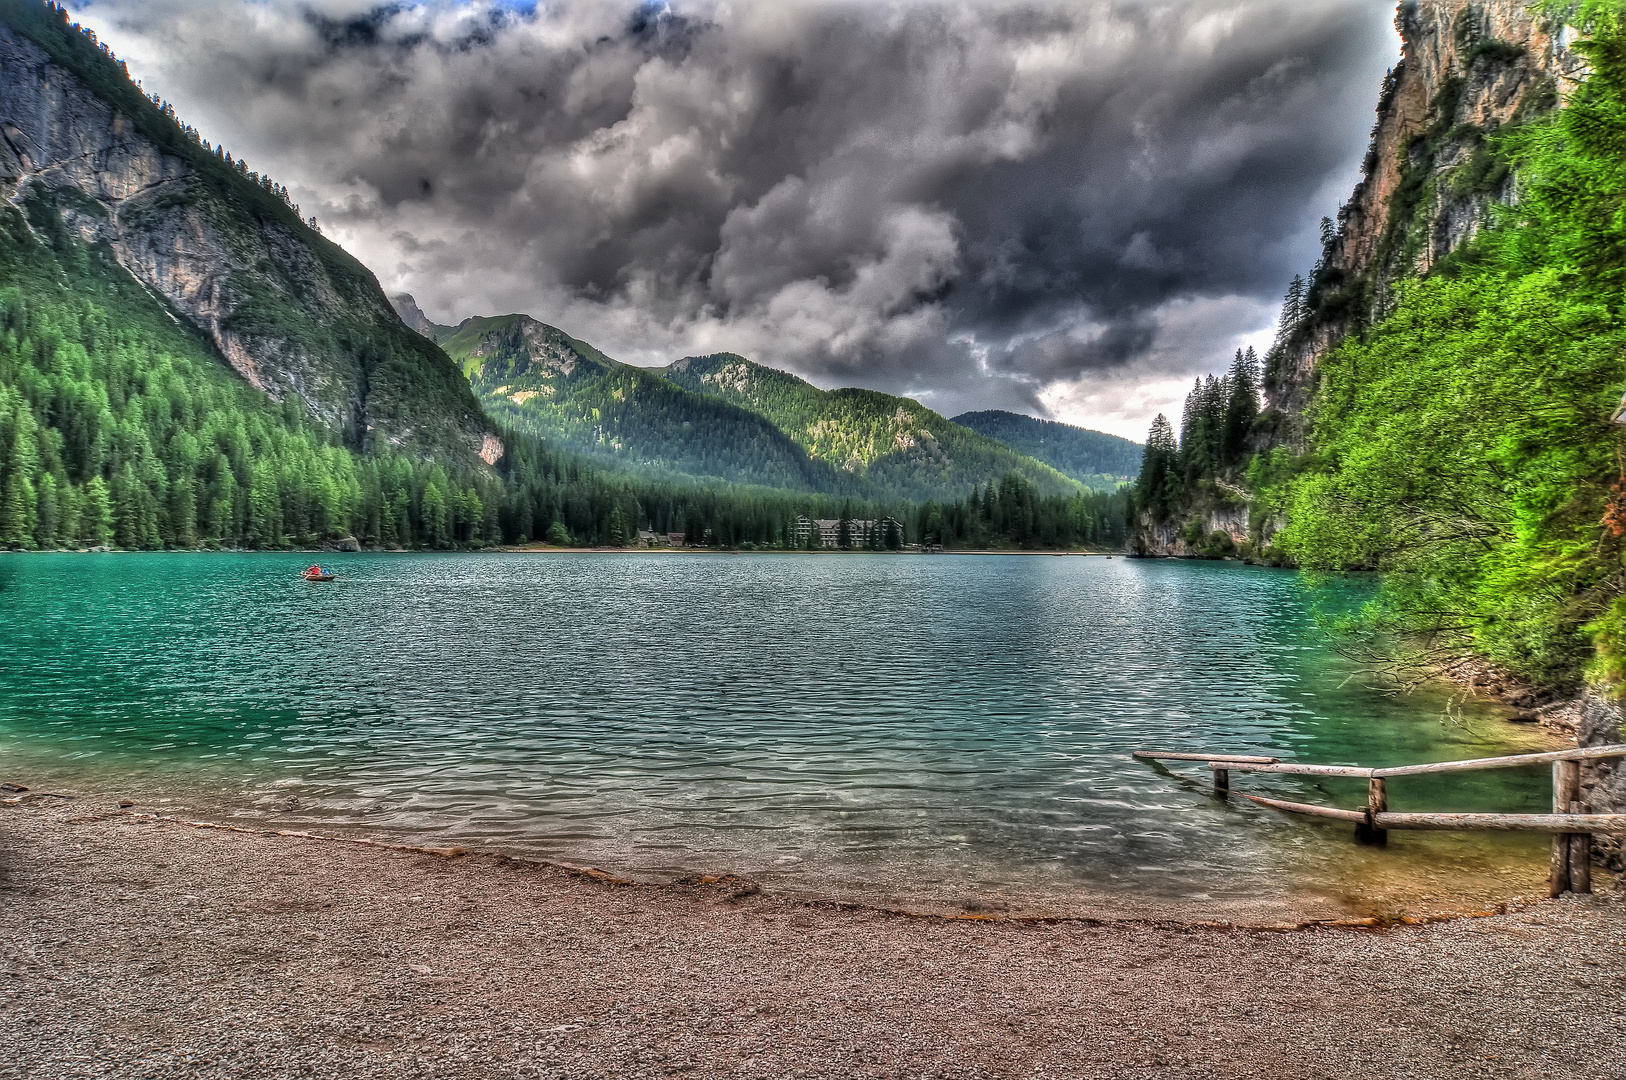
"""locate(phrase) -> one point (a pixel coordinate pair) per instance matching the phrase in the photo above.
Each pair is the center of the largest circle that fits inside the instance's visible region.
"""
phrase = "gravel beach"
(134, 946)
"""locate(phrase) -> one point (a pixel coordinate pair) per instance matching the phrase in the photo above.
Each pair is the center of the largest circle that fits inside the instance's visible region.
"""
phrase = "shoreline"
(1419, 879)
(548, 549)
(139, 947)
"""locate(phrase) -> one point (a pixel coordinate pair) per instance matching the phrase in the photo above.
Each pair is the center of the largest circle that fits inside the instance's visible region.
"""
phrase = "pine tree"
(96, 513)
(14, 514)
(1242, 408)
(49, 517)
(1159, 469)
(435, 530)
(1293, 310)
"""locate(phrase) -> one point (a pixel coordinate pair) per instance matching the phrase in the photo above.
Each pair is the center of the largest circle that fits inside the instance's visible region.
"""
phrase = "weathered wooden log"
(1580, 856)
(1307, 808)
(1547, 823)
(1579, 754)
(1293, 768)
(1153, 755)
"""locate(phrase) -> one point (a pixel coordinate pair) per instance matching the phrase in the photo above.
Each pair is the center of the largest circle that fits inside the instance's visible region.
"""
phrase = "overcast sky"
(1063, 208)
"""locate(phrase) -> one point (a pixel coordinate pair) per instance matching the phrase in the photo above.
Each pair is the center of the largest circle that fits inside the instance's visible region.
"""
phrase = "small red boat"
(319, 573)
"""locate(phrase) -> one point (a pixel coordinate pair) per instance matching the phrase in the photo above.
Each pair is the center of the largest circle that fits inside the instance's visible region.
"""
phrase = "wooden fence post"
(1580, 856)
(1566, 785)
(1377, 802)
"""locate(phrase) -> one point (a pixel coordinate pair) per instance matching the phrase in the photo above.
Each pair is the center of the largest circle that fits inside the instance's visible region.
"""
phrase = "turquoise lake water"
(949, 729)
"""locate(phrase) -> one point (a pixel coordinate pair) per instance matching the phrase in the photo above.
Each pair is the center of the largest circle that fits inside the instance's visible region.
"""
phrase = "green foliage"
(1465, 446)
(1093, 458)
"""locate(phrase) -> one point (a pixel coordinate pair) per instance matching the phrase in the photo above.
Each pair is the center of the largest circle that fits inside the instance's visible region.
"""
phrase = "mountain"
(413, 316)
(88, 157)
(537, 378)
(1434, 174)
(898, 447)
(1090, 457)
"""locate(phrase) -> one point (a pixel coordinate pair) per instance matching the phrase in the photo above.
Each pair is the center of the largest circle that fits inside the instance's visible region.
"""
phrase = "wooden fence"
(1571, 826)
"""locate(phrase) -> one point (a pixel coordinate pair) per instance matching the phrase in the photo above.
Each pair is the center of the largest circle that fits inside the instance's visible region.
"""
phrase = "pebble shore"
(133, 946)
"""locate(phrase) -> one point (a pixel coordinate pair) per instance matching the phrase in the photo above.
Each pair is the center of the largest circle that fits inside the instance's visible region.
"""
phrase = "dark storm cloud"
(986, 203)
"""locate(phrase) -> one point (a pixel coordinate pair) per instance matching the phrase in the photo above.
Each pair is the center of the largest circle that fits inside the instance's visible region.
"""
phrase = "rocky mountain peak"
(407, 308)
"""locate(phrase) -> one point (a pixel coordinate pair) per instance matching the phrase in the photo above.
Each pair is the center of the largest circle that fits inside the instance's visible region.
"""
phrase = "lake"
(941, 732)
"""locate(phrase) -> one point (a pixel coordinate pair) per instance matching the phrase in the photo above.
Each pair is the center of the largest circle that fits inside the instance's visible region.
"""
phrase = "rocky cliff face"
(1431, 175)
(1216, 531)
(84, 155)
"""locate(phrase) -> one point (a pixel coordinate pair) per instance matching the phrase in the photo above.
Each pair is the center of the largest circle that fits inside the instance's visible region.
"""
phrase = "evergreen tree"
(1159, 470)
(96, 513)
(49, 518)
(1293, 310)
(1242, 408)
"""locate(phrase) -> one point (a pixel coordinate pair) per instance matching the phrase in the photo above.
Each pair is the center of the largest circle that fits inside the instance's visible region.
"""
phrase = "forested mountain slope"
(898, 447)
(534, 377)
(88, 156)
(1090, 457)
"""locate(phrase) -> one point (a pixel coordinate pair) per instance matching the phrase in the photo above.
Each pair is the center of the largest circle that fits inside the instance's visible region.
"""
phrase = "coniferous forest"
(119, 427)
(1213, 444)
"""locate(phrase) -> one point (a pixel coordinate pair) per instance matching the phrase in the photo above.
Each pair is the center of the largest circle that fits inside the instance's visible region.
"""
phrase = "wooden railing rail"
(1571, 826)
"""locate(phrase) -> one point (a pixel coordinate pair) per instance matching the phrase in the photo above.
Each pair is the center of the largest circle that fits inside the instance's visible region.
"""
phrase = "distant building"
(659, 539)
(860, 531)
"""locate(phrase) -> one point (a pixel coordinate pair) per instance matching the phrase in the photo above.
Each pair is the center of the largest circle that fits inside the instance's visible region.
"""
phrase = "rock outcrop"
(87, 158)
(1215, 532)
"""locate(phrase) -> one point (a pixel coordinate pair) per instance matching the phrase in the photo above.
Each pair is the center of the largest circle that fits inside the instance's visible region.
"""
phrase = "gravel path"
(137, 947)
